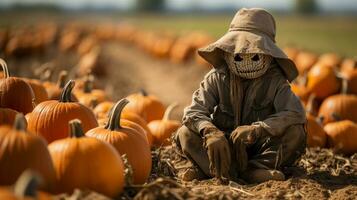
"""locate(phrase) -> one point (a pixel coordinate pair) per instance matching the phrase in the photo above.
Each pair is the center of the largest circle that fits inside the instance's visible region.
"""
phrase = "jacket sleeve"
(204, 99)
(289, 111)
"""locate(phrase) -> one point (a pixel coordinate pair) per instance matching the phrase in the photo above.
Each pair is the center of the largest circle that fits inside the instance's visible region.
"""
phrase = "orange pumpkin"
(316, 136)
(7, 116)
(342, 136)
(11, 88)
(322, 81)
(38, 89)
(304, 61)
(54, 91)
(20, 150)
(301, 91)
(88, 94)
(339, 106)
(127, 141)
(140, 121)
(147, 106)
(350, 76)
(163, 129)
(102, 109)
(330, 60)
(86, 163)
(50, 118)
(25, 188)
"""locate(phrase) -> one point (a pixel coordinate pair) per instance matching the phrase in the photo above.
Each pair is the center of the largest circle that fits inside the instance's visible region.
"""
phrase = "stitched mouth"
(250, 71)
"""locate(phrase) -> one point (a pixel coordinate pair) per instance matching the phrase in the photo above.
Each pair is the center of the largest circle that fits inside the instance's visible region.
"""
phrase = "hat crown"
(254, 19)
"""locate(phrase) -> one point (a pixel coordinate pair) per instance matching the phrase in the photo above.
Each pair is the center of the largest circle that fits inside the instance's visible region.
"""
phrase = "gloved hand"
(218, 151)
(249, 135)
(243, 137)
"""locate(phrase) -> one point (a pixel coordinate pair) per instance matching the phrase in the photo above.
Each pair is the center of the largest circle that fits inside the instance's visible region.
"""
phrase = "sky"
(325, 5)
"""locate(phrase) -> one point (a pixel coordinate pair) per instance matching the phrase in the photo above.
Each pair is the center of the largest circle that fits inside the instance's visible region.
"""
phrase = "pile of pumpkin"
(53, 129)
(327, 87)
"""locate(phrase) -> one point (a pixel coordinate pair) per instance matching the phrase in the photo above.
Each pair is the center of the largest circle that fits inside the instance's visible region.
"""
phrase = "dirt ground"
(319, 175)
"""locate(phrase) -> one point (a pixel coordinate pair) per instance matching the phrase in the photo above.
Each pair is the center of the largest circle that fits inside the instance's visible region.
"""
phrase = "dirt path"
(130, 70)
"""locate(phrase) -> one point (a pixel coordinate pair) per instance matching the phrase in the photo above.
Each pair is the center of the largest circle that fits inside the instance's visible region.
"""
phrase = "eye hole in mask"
(255, 57)
(237, 58)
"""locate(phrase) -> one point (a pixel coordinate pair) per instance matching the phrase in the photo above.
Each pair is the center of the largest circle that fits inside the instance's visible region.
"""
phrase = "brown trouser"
(267, 153)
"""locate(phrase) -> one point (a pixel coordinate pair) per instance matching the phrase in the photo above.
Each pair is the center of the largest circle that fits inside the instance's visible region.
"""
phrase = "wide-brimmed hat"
(251, 31)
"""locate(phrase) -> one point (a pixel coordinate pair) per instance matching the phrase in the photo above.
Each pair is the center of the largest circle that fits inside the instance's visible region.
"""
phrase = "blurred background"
(317, 25)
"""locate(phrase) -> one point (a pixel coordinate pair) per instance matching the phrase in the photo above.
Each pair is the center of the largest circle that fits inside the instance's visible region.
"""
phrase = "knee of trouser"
(185, 138)
(295, 138)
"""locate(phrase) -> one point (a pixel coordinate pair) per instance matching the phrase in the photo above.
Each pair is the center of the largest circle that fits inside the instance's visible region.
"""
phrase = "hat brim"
(236, 42)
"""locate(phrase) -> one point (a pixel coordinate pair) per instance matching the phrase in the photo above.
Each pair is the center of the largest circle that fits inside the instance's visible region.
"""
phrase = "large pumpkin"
(11, 88)
(163, 129)
(127, 141)
(38, 89)
(339, 107)
(147, 106)
(7, 116)
(322, 81)
(86, 163)
(342, 136)
(50, 118)
(20, 150)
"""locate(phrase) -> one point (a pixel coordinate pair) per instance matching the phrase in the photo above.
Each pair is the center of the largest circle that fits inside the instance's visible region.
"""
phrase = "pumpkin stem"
(75, 128)
(344, 87)
(310, 104)
(66, 95)
(27, 184)
(62, 78)
(20, 123)
(114, 116)
(143, 92)
(168, 111)
(4, 68)
(88, 84)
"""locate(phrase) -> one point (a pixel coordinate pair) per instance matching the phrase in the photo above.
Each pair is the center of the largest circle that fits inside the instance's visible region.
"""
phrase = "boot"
(190, 174)
(262, 175)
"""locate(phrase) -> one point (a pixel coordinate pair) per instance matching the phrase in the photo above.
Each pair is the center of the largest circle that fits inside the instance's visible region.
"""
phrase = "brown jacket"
(268, 101)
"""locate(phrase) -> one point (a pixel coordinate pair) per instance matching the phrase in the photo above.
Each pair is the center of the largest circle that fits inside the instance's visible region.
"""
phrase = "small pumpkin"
(38, 89)
(149, 107)
(10, 88)
(330, 60)
(322, 81)
(339, 107)
(88, 94)
(304, 61)
(126, 141)
(50, 118)
(102, 109)
(86, 163)
(350, 76)
(342, 136)
(316, 135)
(21, 150)
(7, 116)
(25, 188)
(163, 129)
(140, 121)
(54, 90)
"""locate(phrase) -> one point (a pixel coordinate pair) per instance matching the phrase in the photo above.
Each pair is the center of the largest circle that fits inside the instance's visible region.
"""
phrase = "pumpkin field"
(89, 105)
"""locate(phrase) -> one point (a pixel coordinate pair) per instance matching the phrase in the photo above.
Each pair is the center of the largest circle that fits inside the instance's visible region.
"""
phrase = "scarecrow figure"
(244, 121)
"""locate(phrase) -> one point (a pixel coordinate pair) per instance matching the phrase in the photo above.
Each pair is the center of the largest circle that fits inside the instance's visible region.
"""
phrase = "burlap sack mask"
(251, 31)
